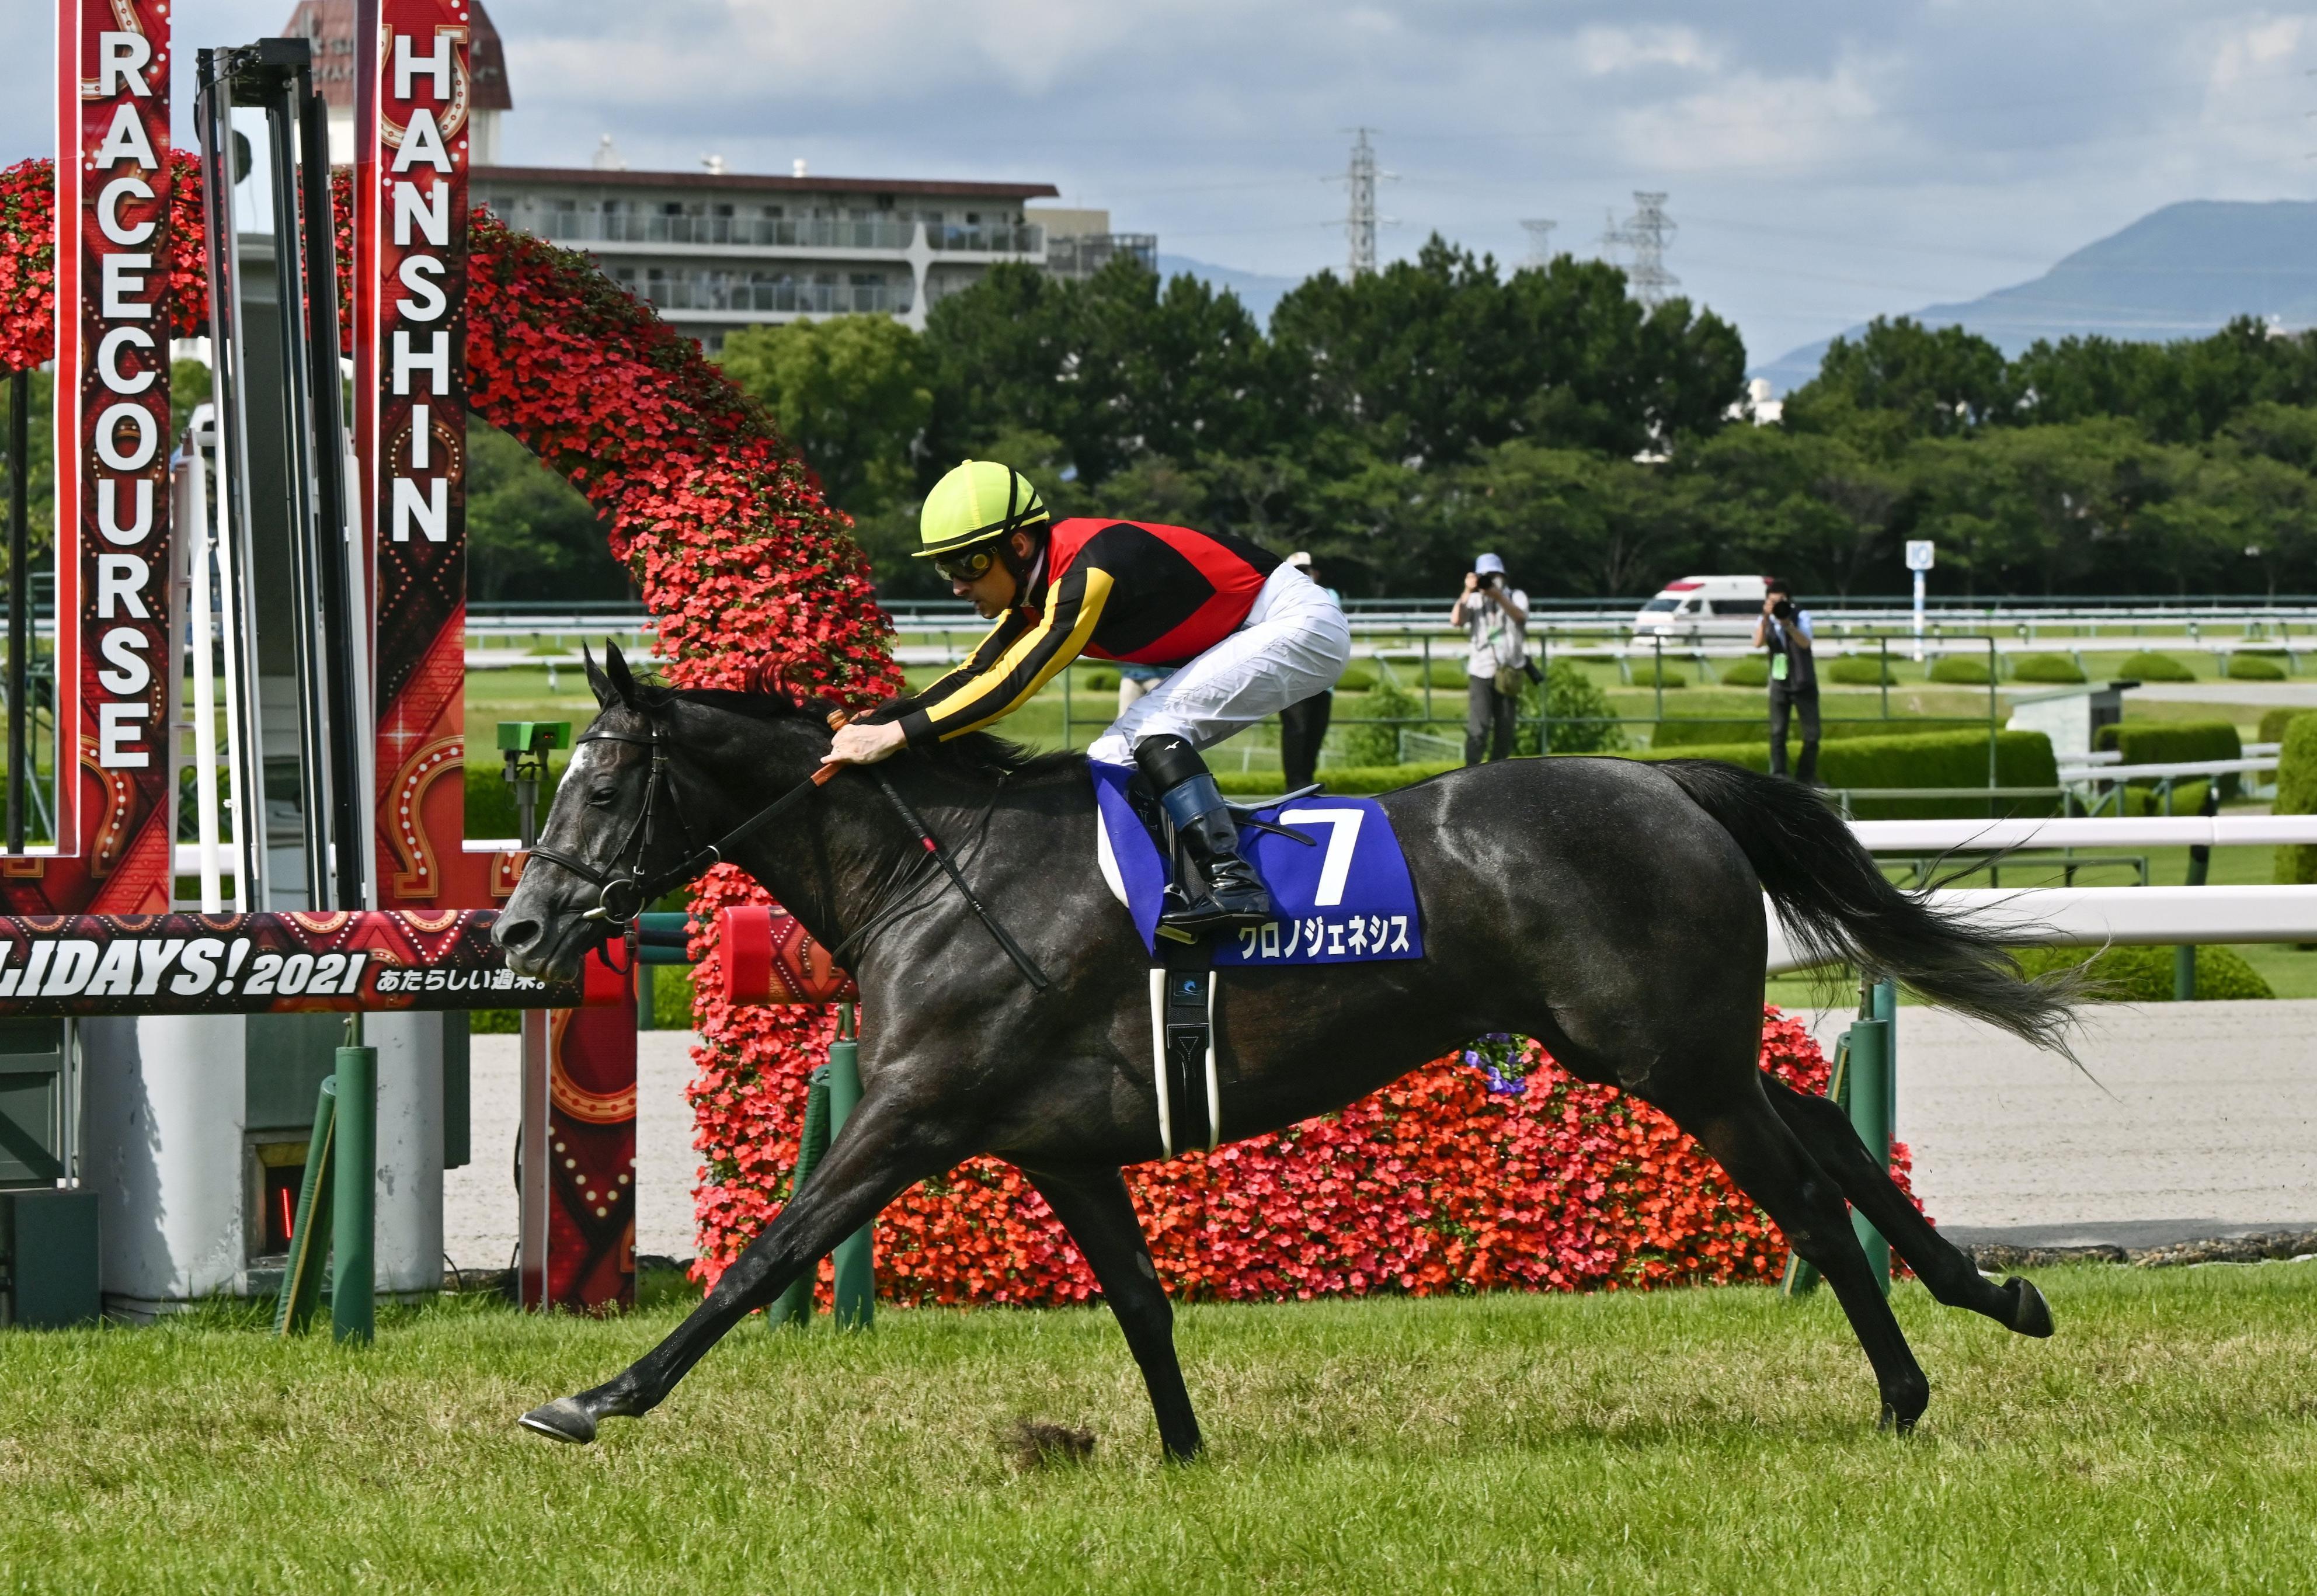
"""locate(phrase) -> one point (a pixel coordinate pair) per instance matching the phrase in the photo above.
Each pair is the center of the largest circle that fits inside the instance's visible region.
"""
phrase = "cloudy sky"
(1825, 161)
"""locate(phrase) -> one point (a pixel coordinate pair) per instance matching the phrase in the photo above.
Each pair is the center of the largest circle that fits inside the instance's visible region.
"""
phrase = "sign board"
(1919, 554)
(112, 644)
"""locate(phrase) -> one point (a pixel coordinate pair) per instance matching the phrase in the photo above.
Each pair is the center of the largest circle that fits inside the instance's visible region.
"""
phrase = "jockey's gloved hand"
(1186, 790)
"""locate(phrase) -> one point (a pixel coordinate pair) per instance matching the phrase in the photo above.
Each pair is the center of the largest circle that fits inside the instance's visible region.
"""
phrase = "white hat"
(1487, 563)
(1301, 559)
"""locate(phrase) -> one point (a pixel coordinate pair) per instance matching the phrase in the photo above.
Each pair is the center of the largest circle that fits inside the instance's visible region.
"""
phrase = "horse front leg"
(885, 1147)
(1094, 1207)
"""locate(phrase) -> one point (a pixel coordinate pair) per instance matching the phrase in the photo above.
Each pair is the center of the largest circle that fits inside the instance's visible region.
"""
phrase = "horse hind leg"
(1826, 1134)
(1736, 1124)
(1095, 1208)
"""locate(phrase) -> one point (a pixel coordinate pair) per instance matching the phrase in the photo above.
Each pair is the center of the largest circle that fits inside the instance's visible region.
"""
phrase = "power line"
(1360, 221)
(1644, 233)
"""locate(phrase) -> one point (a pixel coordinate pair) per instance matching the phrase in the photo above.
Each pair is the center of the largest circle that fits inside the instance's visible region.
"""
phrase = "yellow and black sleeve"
(1009, 666)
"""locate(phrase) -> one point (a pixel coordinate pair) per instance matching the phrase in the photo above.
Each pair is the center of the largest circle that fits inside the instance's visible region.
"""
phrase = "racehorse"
(1611, 908)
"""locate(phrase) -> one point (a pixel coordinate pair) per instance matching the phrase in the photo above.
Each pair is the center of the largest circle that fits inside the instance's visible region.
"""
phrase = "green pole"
(309, 1238)
(794, 1305)
(352, 1310)
(2200, 863)
(1872, 1096)
(856, 1264)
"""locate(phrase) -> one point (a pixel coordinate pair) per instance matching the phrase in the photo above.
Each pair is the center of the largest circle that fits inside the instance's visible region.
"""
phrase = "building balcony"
(778, 298)
(800, 235)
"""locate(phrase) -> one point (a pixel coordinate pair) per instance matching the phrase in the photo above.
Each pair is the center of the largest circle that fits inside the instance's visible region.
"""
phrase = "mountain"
(2177, 272)
(1256, 291)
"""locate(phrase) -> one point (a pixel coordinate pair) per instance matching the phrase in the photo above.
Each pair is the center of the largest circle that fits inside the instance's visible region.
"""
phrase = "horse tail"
(1837, 906)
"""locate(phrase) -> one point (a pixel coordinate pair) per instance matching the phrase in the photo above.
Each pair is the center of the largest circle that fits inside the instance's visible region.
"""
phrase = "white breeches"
(1293, 643)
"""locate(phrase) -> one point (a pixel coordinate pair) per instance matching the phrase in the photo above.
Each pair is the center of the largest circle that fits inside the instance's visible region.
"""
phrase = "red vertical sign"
(411, 97)
(112, 428)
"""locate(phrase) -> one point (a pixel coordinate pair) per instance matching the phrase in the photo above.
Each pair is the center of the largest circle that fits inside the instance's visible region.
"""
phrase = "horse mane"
(978, 755)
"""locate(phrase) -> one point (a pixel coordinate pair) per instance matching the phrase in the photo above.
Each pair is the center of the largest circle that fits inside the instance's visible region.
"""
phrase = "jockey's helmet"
(979, 502)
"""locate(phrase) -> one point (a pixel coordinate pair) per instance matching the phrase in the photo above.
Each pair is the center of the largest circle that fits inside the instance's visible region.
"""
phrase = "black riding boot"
(1235, 895)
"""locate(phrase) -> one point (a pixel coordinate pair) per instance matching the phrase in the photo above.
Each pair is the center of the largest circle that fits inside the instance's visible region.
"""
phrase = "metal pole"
(794, 1305)
(20, 599)
(1871, 1093)
(856, 1265)
(2200, 863)
(1992, 714)
(355, 1226)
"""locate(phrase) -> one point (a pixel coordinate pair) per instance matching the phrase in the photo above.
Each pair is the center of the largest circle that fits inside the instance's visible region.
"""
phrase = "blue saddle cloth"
(1347, 899)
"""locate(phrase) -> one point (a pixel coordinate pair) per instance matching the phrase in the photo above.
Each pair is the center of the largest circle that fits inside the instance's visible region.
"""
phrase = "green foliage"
(1348, 780)
(1951, 759)
(1358, 677)
(850, 392)
(1371, 745)
(1702, 727)
(1858, 671)
(2296, 793)
(1902, 380)
(2137, 975)
(1753, 671)
(1658, 673)
(2174, 742)
(1960, 669)
(1454, 673)
(1577, 709)
(41, 438)
(1095, 681)
(491, 796)
(2154, 667)
(2055, 668)
(530, 535)
(2274, 721)
(2254, 668)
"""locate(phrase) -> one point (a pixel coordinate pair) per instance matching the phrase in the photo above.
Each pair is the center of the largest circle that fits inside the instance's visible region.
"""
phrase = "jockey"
(1248, 633)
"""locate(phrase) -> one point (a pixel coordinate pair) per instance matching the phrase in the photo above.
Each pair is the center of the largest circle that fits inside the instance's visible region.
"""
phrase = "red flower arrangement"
(1445, 1181)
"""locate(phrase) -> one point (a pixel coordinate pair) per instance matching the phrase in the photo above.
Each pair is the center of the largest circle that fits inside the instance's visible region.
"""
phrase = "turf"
(1686, 1440)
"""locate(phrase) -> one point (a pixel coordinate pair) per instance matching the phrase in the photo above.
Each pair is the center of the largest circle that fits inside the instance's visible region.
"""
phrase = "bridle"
(621, 895)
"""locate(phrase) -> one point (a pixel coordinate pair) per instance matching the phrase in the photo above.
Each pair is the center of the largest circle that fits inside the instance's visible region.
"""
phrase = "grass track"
(1697, 1440)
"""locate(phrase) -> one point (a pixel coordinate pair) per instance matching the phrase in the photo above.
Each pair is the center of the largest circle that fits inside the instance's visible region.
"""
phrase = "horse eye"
(602, 796)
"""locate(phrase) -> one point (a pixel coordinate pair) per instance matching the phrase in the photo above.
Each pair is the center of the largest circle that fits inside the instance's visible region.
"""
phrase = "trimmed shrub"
(2174, 742)
(1358, 677)
(1380, 745)
(2144, 974)
(2155, 667)
(1579, 711)
(1445, 673)
(1097, 681)
(1654, 673)
(1964, 670)
(2296, 793)
(1754, 671)
(2274, 723)
(1860, 670)
(1955, 760)
(491, 796)
(1351, 781)
(2254, 668)
(2057, 670)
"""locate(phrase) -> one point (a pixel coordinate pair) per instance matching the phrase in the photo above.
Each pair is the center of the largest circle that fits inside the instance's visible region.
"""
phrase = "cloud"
(1746, 120)
(1605, 50)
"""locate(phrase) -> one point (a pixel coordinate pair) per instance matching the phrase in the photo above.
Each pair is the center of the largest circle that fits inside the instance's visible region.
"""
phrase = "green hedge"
(1920, 760)
(2175, 742)
(490, 797)
(2296, 793)
(1698, 729)
(2144, 974)
(1358, 677)
(2055, 668)
(1860, 670)
(1960, 669)
(1753, 671)
(2254, 668)
(2274, 723)
(1655, 673)
(1095, 681)
(2155, 667)
(1350, 780)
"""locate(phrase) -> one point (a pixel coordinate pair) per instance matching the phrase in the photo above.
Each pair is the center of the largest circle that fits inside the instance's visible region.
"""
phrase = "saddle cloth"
(1347, 899)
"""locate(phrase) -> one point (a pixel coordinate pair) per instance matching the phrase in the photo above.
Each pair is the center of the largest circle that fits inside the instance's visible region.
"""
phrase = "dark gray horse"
(1610, 907)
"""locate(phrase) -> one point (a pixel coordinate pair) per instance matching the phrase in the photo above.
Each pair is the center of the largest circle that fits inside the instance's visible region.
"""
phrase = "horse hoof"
(1891, 1423)
(2030, 1314)
(563, 1419)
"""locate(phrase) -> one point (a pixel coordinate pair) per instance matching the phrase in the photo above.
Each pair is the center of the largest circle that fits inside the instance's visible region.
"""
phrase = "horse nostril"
(516, 934)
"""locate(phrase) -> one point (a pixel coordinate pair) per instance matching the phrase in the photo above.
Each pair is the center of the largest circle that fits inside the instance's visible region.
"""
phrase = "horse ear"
(615, 666)
(597, 682)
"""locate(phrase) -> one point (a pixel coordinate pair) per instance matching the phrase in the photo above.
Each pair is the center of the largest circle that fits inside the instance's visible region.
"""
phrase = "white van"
(1699, 609)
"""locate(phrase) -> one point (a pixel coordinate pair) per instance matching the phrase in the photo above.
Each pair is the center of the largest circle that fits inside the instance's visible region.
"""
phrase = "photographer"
(1494, 614)
(1785, 631)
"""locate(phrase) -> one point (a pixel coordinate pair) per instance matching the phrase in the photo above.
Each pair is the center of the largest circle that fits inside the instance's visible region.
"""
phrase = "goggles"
(967, 565)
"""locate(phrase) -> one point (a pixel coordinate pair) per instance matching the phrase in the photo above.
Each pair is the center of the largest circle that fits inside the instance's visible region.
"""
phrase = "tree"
(530, 535)
(1901, 380)
(851, 394)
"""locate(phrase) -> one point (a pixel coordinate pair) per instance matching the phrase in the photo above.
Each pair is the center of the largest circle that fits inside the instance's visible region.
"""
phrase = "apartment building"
(718, 251)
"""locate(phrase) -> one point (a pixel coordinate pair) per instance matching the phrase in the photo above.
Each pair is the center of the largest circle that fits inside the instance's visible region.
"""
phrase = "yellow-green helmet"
(977, 500)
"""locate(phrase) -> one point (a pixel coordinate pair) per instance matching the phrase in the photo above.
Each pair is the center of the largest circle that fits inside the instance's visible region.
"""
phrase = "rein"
(621, 895)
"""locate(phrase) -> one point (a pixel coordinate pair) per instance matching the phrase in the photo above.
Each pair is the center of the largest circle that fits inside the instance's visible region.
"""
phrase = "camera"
(1784, 609)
